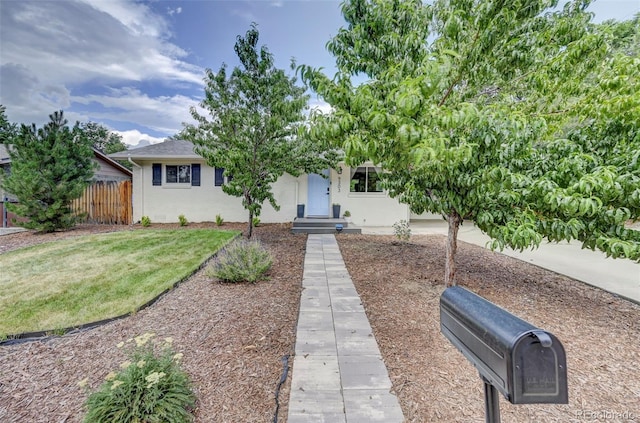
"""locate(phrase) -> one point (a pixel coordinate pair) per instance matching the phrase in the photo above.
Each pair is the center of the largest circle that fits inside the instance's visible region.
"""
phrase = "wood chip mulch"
(400, 285)
(234, 337)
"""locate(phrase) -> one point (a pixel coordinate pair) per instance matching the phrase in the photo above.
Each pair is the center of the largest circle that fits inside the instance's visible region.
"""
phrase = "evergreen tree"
(50, 167)
(252, 131)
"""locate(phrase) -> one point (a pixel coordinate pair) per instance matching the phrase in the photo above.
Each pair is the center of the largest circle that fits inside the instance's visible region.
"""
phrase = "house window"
(180, 174)
(219, 176)
(365, 179)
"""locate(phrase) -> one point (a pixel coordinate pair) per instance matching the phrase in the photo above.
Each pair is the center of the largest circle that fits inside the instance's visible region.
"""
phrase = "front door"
(318, 194)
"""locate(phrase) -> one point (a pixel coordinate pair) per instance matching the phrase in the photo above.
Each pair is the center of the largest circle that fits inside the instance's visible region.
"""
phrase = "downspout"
(141, 184)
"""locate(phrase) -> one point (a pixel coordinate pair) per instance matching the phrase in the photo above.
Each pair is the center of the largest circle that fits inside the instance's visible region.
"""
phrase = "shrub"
(145, 221)
(219, 220)
(402, 230)
(183, 220)
(150, 387)
(346, 213)
(242, 261)
(256, 222)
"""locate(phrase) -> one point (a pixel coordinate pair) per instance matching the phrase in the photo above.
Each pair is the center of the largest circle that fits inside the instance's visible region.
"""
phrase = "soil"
(234, 337)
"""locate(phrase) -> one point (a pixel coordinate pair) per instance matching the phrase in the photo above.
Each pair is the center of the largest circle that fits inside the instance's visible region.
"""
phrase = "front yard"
(57, 285)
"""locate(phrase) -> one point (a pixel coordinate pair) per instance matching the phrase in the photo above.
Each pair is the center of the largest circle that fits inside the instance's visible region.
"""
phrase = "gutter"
(142, 185)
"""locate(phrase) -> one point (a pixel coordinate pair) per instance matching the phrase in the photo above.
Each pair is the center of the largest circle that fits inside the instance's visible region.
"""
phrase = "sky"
(138, 66)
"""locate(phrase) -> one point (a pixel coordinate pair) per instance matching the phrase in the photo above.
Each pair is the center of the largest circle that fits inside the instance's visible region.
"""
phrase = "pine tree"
(50, 167)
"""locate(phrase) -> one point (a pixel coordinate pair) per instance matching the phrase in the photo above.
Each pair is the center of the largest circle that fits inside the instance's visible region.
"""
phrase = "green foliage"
(183, 220)
(102, 138)
(256, 221)
(252, 131)
(346, 213)
(522, 119)
(219, 220)
(145, 221)
(150, 387)
(402, 231)
(242, 261)
(50, 167)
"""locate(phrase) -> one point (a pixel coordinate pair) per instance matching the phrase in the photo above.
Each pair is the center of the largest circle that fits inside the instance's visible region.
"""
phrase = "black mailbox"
(526, 364)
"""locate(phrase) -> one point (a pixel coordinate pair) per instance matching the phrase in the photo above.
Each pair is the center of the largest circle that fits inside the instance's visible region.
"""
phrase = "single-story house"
(107, 170)
(170, 179)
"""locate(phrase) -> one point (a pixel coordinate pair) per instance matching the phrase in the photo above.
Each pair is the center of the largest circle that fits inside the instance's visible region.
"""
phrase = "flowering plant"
(149, 387)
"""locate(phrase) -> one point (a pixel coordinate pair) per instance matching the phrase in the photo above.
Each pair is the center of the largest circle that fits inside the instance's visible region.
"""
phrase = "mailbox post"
(526, 364)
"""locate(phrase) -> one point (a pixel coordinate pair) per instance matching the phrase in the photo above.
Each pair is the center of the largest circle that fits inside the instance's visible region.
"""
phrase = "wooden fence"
(105, 202)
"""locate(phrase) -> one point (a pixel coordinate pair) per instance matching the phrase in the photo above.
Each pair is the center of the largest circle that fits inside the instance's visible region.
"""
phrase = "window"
(219, 177)
(180, 174)
(365, 179)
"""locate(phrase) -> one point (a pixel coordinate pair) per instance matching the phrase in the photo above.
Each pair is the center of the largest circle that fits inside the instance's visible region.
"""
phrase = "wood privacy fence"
(105, 202)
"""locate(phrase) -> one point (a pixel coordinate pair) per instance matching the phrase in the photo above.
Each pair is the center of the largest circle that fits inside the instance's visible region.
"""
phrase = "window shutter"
(219, 177)
(195, 175)
(157, 174)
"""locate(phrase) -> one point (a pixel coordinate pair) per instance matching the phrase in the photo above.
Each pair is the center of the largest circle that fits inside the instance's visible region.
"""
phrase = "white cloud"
(175, 11)
(162, 114)
(320, 106)
(136, 138)
(54, 52)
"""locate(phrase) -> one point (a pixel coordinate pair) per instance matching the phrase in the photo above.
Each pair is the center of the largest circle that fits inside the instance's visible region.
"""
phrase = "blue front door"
(318, 194)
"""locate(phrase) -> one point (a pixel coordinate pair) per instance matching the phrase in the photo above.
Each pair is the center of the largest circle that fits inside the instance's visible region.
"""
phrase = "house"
(107, 171)
(170, 179)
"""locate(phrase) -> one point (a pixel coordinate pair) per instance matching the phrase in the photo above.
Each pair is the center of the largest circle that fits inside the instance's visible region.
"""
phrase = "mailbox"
(526, 364)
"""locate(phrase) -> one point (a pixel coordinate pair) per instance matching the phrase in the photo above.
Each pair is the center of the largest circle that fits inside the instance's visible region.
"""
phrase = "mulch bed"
(400, 285)
(234, 337)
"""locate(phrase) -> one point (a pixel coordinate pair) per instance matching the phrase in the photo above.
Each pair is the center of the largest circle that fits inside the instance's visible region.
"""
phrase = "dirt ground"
(234, 337)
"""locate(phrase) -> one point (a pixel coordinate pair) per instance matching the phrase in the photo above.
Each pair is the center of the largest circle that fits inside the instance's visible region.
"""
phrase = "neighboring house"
(5, 165)
(170, 179)
(108, 170)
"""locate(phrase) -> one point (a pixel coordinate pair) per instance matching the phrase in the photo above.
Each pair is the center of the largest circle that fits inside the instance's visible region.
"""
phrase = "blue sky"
(137, 66)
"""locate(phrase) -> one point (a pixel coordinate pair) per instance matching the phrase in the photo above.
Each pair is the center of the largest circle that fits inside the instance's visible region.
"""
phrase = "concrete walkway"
(338, 374)
(618, 276)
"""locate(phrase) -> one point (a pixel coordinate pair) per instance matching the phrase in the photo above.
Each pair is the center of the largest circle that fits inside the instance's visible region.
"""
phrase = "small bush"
(242, 261)
(183, 220)
(219, 220)
(145, 221)
(402, 230)
(256, 222)
(150, 387)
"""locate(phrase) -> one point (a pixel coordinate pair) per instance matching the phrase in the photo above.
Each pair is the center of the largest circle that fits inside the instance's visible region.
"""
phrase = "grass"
(82, 280)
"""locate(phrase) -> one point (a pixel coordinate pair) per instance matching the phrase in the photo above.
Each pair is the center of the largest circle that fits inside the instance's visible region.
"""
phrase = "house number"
(339, 183)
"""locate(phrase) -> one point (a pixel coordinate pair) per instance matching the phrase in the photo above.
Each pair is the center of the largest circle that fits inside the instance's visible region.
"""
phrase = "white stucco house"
(170, 179)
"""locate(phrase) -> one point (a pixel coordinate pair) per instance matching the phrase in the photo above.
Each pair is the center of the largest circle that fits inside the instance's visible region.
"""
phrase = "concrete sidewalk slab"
(338, 374)
(618, 276)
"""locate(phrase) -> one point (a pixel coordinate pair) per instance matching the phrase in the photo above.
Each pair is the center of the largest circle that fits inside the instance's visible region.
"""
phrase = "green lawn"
(86, 279)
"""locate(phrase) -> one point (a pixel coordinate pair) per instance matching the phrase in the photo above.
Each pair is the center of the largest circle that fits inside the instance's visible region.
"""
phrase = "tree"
(102, 138)
(486, 111)
(50, 167)
(255, 115)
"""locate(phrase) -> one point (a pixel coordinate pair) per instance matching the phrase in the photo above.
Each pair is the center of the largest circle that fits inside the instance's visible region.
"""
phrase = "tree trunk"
(454, 220)
(250, 231)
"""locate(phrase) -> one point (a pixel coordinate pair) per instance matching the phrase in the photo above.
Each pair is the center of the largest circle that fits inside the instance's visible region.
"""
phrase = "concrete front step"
(324, 230)
(319, 225)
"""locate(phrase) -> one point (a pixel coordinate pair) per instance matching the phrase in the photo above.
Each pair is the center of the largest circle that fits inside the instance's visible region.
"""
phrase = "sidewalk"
(618, 276)
(338, 374)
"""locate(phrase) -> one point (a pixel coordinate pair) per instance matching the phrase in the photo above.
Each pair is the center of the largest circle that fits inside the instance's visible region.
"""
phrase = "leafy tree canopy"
(256, 114)
(102, 138)
(50, 166)
(512, 114)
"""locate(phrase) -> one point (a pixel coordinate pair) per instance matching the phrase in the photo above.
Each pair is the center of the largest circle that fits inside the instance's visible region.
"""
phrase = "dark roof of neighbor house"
(174, 149)
(5, 159)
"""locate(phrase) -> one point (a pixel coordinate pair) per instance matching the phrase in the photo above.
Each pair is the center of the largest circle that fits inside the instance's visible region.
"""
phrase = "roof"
(175, 149)
(5, 159)
(100, 155)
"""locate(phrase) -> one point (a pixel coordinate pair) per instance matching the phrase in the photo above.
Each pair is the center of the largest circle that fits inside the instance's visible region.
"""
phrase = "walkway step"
(338, 373)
